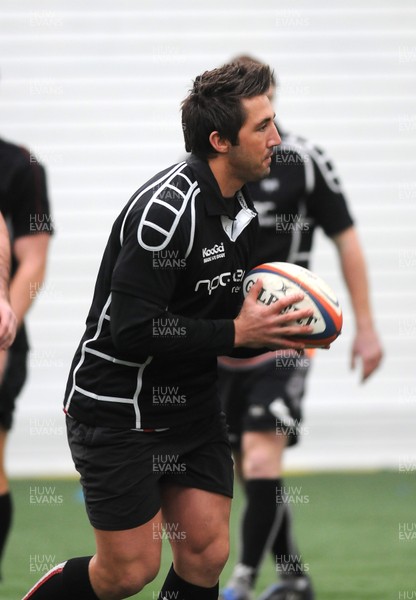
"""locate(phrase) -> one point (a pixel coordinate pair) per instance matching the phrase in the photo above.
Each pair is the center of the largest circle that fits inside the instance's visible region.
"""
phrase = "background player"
(262, 395)
(163, 310)
(24, 204)
(7, 316)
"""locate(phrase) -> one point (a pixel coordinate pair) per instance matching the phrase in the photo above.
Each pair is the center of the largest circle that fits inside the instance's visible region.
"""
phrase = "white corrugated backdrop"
(94, 88)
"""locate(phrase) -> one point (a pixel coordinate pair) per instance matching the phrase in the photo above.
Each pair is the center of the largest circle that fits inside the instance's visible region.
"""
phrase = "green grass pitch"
(356, 534)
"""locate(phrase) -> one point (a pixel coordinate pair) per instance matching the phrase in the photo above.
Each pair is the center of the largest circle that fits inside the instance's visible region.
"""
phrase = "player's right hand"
(260, 326)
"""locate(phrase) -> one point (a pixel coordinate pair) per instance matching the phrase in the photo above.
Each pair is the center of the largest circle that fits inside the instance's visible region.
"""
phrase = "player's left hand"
(366, 347)
(8, 324)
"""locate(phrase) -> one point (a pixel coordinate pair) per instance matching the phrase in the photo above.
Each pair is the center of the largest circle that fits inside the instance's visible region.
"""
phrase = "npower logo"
(222, 281)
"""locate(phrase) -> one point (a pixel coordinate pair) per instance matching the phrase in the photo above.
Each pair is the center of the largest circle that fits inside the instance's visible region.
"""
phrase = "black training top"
(302, 192)
(23, 202)
(168, 288)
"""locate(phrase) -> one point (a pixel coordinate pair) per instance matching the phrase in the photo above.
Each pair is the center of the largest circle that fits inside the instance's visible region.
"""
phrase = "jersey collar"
(215, 203)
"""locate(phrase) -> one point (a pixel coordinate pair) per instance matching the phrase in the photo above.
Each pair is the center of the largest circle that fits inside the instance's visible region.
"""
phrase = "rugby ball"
(281, 279)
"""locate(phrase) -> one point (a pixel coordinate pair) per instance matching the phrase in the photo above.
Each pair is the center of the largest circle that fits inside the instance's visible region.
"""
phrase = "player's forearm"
(141, 328)
(355, 275)
(4, 259)
(25, 287)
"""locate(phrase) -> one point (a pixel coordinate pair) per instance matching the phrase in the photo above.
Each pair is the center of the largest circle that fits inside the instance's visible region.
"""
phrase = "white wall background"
(93, 88)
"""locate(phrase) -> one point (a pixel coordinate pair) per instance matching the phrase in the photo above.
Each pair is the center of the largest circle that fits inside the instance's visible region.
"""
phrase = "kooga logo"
(217, 251)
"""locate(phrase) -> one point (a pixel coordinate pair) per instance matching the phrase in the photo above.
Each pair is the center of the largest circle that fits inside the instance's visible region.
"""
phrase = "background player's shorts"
(13, 381)
(264, 397)
(122, 470)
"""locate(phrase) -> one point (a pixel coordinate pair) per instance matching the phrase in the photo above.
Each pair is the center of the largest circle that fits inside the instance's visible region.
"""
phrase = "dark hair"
(214, 104)
(246, 59)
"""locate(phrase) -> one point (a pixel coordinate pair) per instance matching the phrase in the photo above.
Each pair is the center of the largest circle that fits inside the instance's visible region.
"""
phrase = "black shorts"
(122, 471)
(13, 381)
(264, 397)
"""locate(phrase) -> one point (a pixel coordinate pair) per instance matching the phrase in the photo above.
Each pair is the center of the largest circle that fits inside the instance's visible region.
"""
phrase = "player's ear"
(220, 144)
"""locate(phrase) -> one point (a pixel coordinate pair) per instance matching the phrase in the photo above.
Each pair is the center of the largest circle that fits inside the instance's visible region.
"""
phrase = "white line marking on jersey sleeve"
(103, 398)
(82, 358)
(138, 390)
(112, 359)
(174, 170)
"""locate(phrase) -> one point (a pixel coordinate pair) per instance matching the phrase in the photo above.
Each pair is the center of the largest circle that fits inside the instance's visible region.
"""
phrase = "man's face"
(250, 160)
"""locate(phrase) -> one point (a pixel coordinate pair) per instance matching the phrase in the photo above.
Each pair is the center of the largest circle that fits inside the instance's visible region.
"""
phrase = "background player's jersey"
(302, 192)
(176, 258)
(23, 203)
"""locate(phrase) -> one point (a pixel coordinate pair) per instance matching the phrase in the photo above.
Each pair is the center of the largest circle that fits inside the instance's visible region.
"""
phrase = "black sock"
(285, 553)
(6, 511)
(178, 588)
(260, 520)
(66, 581)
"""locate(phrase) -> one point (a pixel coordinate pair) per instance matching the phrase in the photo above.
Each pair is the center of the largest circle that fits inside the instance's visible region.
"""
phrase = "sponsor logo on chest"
(222, 280)
(214, 253)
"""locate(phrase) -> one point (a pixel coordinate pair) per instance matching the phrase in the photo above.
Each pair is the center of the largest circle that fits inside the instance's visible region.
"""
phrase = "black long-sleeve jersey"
(167, 290)
(302, 192)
